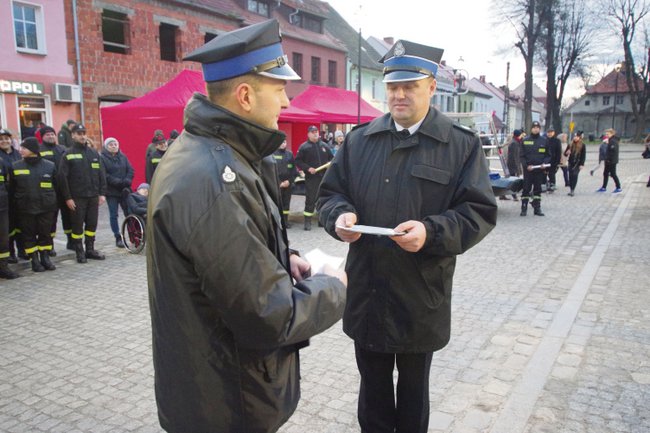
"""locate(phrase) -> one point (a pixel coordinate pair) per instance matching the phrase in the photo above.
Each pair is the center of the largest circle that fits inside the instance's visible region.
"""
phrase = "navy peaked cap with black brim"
(408, 61)
(255, 49)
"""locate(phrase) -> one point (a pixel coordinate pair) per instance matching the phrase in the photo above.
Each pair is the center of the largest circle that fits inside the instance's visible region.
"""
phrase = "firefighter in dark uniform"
(311, 155)
(153, 158)
(34, 198)
(5, 272)
(287, 173)
(535, 159)
(53, 152)
(9, 155)
(82, 183)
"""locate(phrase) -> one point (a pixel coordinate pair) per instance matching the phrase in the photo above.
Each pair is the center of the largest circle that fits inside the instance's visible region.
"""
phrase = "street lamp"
(617, 69)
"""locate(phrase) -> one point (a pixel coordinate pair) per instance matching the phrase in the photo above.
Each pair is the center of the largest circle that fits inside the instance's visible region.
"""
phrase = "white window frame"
(3, 112)
(40, 28)
(47, 110)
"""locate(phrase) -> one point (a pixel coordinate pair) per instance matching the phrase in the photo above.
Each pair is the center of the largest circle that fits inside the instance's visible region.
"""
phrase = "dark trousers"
(573, 177)
(565, 172)
(312, 182)
(551, 175)
(36, 231)
(285, 194)
(378, 410)
(113, 204)
(4, 234)
(533, 180)
(610, 170)
(84, 218)
(64, 211)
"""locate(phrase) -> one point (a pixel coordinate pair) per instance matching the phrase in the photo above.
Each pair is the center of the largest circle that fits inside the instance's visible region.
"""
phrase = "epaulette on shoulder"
(359, 126)
(465, 129)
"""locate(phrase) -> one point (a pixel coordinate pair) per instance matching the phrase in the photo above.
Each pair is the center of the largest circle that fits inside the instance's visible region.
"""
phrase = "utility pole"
(506, 104)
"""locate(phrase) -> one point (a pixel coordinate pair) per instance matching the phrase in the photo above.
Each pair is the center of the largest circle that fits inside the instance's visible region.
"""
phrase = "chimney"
(389, 40)
(482, 79)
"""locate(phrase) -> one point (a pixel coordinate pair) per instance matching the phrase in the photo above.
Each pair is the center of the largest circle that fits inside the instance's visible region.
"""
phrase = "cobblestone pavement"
(550, 333)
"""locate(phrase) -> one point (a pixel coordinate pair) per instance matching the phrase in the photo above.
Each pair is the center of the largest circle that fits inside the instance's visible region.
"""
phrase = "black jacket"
(65, 136)
(555, 150)
(136, 204)
(119, 172)
(52, 152)
(153, 159)
(313, 155)
(514, 163)
(399, 301)
(286, 165)
(576, 159)
(227, 318)
(81, 173)
(4, 189)
(611, 156)
(32, 186)
(534, 151)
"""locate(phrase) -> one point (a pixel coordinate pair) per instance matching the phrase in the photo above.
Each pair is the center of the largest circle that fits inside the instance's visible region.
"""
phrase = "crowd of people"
(48, 174)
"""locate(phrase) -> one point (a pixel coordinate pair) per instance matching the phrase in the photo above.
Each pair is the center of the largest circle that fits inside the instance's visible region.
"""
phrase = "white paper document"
(318, 259)
(371, 230)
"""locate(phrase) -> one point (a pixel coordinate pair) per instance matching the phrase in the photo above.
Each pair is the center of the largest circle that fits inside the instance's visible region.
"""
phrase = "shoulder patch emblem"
(228, 175)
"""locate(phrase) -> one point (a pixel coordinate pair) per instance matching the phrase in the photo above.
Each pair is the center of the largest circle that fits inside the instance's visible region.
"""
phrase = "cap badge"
(399, 49)
(228, 175)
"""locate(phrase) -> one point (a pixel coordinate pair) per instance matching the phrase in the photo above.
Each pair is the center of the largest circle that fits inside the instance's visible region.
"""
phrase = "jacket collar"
(253, 141)
(435, 125)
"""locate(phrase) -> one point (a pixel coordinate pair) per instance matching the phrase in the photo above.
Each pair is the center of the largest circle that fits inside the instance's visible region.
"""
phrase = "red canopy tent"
(134, 122)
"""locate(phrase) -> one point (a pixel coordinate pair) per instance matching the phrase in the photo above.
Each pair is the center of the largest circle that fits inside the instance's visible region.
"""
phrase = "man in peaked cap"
(230, 304)
(416, 172)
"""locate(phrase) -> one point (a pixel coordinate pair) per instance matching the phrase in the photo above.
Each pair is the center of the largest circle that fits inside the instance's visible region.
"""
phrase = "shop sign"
(21, 87)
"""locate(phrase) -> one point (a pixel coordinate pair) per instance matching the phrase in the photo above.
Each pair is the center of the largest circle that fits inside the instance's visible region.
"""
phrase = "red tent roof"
(334, 105)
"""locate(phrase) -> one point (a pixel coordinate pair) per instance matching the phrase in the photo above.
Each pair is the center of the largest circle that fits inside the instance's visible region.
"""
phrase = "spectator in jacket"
(564, 160)
(158, 136)
(53, 152)
(339, 138)
(287, 173)
(417, 172)
(65, 136)
(9, 155)
(82, 183)
(5, 272)
(173, 135)
(119, 175)
(602, 154)
(312, 155)
(34, 197)
(611, 160)
(576, 153)
(514, 150)
(153, 158)
(555, 149)
(230, 306)
(136, 202)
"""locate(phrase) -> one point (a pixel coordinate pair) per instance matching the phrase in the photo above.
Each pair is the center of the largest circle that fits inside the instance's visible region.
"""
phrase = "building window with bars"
(331, 73)
(297, 63)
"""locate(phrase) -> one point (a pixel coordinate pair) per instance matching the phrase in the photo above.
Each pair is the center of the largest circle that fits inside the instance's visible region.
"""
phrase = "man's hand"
(102, 200)
(300, 268)
(311, 170)
(529, 167)
(347, 220)
(71, 205)
(284, 184)
(413, 240)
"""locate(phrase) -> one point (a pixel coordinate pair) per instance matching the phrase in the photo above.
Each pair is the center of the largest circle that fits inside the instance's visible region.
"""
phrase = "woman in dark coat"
(119, 175)
(576, 153)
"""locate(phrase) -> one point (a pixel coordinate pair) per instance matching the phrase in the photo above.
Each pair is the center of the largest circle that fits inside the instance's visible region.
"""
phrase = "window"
(297, 63)
(31, 111)
(587, 102)
(315, 70)
(28, 28)
(308, 22)
(605, 100)
(331, 72)
(374, 88)
(208, 37)
(619, 99)
(259, 7)
(115, 31)
(167, 34)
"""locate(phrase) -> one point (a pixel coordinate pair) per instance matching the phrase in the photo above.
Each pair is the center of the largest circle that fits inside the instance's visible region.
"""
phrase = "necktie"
(404, 134)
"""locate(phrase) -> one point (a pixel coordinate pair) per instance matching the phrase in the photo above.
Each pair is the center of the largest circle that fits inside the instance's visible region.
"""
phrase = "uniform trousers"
(84, 218)
(533, 180)
(4, 234)
(64, 211)
(378, 411)
(36, 231)
(610, 170)
(285, 194)
(312, 182)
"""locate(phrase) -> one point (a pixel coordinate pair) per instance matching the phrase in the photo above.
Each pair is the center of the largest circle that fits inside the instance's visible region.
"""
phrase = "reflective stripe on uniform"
(45, 248)
(2, 178)
(542, 150)
(285, 212)
(155, 160)
(19, 172)
(47, 153)
(76, 236)
(4, 255)
(308, 214)
(89, 233)
(67, 232)
(94, 164)
(46, 184)
(74, 156)
(53, 235)
(13, 233)
(277, 156)
(31, 250)
(528, 142)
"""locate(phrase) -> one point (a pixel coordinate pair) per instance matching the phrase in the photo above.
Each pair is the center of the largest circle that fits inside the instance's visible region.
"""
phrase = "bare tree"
(566, 43)
(625, 16)
(526, 17)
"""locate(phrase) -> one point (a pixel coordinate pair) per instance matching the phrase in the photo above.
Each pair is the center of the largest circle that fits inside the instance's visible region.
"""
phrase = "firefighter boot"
(36, 265)
(45, 260)
(52, 252)
(538, 211)
(12, 254)
(5, 272)
(79, 251)
(70, 244)
(307, 223)
(524, 207)
(91, 252)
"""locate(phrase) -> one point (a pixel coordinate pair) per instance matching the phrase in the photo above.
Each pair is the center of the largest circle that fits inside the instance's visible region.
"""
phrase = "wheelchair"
(133, 233)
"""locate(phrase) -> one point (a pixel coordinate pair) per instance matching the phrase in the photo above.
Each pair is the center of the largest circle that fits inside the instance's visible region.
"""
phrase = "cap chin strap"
(416, 69)
(275, 63)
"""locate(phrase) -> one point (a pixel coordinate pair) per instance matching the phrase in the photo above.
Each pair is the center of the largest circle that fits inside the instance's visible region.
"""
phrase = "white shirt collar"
(413, 129)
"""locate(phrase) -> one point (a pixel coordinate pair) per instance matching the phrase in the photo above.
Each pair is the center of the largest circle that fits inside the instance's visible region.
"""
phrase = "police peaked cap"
(408, 61)
(255, 49)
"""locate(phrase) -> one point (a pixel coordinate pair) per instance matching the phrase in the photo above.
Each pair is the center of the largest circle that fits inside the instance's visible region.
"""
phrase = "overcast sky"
(463, 28)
